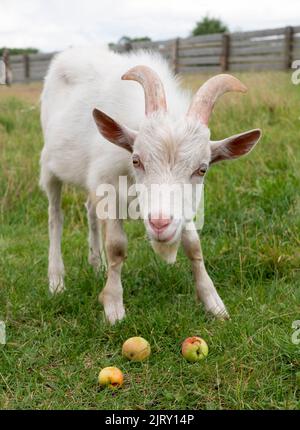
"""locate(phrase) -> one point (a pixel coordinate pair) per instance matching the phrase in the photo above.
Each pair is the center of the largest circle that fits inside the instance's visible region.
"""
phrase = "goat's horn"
(203, 102)
(155, 98)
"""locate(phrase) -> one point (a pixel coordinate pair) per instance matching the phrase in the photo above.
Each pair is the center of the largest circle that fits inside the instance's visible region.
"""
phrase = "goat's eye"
(201, 170)
(136, 161)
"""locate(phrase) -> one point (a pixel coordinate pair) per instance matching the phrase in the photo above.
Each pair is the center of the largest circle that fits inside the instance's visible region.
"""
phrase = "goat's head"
(171, 154)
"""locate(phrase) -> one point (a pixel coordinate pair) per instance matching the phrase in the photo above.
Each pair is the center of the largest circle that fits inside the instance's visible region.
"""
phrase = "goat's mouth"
(164, 239)
(168, 236)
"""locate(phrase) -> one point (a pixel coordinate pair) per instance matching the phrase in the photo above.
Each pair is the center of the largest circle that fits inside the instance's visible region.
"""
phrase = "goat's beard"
(168, 252)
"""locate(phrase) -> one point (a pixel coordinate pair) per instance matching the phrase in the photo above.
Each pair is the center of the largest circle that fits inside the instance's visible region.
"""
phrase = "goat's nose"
(159, 223)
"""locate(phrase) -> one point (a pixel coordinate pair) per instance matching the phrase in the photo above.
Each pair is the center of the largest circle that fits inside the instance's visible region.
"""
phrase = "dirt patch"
(26, 92)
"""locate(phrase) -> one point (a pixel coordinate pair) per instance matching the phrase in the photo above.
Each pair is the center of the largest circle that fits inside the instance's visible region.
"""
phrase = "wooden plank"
(296, 29)
(199, 69)
(198, 60)
(174, 55)
(196, 52)
(156, 44)
(258, 33)
(18, 76)
(188, 45)
(256, 66)
(296, 45)
(17, 65)
(16, 72)
(162, 51)
(256, 43)
(259, 49)
(40, 64)
(37, 75)
(16, 59)
(296, 54)
(32, 57)
(38, 70)
(256, 59)
(204, 38)
(41, 57)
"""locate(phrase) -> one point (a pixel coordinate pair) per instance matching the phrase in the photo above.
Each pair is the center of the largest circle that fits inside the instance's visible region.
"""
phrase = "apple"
(111, 377)
(194, 349)
(136, 349)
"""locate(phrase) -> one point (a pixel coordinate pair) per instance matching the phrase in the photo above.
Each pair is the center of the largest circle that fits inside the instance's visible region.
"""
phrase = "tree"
(209, 25)
(141, 39)
(126, 39)
(16, 51)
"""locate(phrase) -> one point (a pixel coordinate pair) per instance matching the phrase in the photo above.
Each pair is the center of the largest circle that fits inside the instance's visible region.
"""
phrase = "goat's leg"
(112, 294)
(96, 240)
(205, 289)
(55, 266)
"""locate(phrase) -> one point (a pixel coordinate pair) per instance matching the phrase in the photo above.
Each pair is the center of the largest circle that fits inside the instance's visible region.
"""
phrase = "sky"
(52, 25)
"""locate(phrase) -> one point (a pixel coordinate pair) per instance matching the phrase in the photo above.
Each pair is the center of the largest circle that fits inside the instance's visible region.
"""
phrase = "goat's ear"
(114, 132)
(234, 146)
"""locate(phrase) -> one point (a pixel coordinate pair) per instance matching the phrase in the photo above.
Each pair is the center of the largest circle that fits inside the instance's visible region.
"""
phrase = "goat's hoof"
(114, 313)
(219, 313)
(214, 306)
(114, 309)
(217, 309)
(56, 284)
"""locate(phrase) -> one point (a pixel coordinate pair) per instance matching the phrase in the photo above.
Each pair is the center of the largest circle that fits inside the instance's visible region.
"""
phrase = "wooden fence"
(273, 49)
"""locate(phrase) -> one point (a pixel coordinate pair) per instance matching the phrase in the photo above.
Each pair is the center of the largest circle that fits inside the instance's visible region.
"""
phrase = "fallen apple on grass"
(194, 349)
(136, 349)
(111, 377)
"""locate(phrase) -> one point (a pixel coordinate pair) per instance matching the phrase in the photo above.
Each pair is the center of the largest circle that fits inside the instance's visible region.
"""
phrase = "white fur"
(79, 80)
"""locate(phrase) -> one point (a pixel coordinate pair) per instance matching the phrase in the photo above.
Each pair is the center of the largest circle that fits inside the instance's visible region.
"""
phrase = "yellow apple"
(194, 349)
(136, 349)
(111, 377)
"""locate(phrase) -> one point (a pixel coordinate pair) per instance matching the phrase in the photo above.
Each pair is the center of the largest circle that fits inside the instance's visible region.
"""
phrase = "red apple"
(111, 377)
(194, 349)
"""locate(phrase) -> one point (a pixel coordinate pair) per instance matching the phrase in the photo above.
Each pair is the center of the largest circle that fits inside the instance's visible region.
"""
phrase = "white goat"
(169, 145)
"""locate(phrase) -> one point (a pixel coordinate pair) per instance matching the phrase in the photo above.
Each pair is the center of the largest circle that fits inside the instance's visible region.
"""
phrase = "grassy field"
(57, 345)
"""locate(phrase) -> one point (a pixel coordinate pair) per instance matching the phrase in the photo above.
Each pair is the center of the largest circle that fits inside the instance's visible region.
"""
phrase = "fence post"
(225, 52)
(288, 54)
(8, 73)
(175, 55)
(26, 67)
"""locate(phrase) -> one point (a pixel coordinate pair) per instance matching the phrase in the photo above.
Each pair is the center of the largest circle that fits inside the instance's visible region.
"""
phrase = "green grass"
(57, 345)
